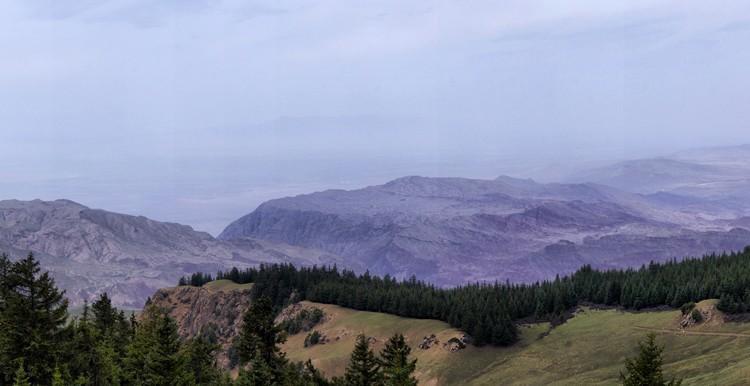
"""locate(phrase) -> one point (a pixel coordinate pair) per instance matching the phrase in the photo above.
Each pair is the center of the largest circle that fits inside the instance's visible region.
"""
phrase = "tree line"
(489, 311)
(41, 344)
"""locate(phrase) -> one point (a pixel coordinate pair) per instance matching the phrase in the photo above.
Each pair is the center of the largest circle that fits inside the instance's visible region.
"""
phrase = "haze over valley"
(446, 230)
(372, 193)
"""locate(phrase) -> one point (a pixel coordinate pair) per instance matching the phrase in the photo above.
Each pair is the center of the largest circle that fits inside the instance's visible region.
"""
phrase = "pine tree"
(107, 370)
(21, 379)
(98, 348)
(105, 315)
(34, 313)
(261, 336)
(397, 368)
(84, 361)
(258, 373)
(162, 365)
(122, 333)
(7, 369)
(363, 368)
(200, 362)
(57, 378)
(312, 376)
(153, 356)
(645, 369)
(5, 266)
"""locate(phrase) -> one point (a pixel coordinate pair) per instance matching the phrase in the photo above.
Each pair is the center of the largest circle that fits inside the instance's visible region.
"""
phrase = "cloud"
(119, 88)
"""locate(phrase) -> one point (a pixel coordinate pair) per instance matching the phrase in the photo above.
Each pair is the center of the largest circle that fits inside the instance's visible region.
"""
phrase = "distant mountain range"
(452, 230)
(715, 174)
(445, 230)
(91, 250)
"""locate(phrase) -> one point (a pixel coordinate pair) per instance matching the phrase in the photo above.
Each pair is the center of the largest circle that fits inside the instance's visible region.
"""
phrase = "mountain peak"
(90, 251)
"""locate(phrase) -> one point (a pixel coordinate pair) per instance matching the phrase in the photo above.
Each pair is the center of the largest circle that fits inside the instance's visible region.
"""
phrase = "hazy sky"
(196, 111)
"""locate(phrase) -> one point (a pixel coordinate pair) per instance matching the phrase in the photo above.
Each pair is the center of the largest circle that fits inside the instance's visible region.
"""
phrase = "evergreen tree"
(105, 315)
(645, 369)
(121, 334)
(34, 313)
(57, 378)
(5, 266)
(162, 364)
(198, 355)
(363, 368)
(258, 373)
(397, 367)
(107, 371)
(260, 336)
(7, 368)
(98, 348)
(21, 379)
(312, 376)
(153, 356)
(39, 347)
(84, 361)
(488, 312)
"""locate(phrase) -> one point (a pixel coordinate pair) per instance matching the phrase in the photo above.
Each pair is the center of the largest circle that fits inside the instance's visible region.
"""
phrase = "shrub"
(305, 320)
(687, 307)
(312, 338)
(696, 316)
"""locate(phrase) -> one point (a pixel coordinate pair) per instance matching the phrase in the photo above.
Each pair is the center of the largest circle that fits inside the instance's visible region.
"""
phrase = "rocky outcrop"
(427, 342)
(704, 313)
(454, 345)
(206, 310)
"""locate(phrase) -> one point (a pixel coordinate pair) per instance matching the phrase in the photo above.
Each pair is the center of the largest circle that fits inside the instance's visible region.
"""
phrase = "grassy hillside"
(588, 349)
(226, 285)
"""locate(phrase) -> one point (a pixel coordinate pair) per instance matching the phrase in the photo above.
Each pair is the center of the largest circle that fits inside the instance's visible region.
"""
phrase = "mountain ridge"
(93, 250)
(453, 230)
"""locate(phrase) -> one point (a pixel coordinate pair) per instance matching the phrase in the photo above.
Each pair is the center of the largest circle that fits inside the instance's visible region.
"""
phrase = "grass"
(226, 285)
(589, 349)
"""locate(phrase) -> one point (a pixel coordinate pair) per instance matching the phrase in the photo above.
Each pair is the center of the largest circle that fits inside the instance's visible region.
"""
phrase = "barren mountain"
(445, 230)
(719, 175)
(453, 230)
(91, 250)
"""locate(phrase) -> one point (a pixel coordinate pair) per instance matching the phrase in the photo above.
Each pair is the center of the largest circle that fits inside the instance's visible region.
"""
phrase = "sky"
(196, 111)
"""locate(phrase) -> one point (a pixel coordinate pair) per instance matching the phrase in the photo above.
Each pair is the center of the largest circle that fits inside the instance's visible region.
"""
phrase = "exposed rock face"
(453, 230)
(428, 342)
(708, 316)
(89, 250)
(200, 310)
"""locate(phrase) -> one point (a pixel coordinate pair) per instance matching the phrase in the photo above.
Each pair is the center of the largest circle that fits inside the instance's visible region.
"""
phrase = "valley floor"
(589, 349)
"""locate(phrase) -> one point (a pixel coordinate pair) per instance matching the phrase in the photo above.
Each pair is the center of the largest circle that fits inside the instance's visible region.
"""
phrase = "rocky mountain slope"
(453, 230)
(89, 250)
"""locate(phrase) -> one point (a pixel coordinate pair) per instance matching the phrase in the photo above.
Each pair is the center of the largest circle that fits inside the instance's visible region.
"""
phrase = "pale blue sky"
(195, 111)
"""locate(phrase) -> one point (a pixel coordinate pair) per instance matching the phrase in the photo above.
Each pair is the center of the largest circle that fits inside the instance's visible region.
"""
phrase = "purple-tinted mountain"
(720, 175)
(453, 230)
(90, 250)
(445, 230)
